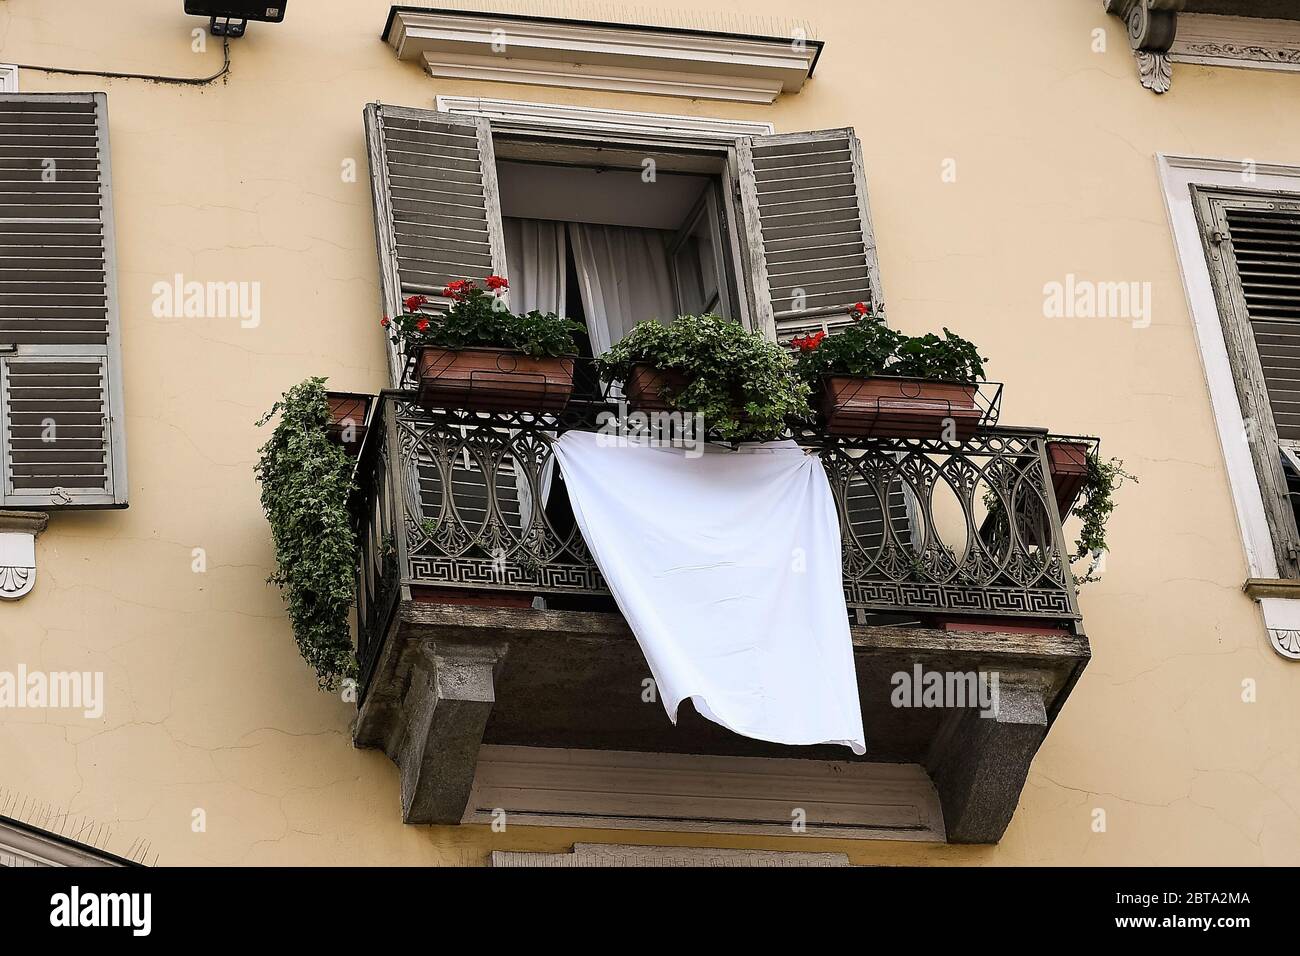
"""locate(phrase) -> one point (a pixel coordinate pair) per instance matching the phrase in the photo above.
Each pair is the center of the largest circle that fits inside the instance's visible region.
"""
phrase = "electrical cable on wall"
(183, 80)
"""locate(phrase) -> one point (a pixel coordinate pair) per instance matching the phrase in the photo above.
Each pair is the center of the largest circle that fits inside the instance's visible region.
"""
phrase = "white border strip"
(523, 114)
(8, 78)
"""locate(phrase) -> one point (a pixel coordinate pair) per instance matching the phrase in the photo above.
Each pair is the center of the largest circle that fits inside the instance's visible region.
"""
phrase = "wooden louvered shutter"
(808, 230)
(1252, 242)
(437, 209)
(61, 418)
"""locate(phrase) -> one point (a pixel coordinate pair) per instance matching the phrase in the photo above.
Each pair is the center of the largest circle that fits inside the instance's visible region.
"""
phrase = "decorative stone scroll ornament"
(1152, 26)
(18, 533)
(1286, 642)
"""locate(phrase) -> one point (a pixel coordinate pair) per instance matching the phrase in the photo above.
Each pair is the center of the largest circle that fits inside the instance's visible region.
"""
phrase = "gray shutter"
(1252, 243)
(808, 230)
(61, 418)
(437, 208)
(1265, 251)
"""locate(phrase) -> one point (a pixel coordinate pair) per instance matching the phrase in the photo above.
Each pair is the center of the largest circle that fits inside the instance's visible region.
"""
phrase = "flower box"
(882, 407)
(1067, 462)
(488, 379)
(647, 387)
(349, 413)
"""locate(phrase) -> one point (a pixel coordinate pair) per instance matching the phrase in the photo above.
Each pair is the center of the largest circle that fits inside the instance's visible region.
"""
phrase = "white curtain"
(535, 263)
(624, 277)
(535, 254)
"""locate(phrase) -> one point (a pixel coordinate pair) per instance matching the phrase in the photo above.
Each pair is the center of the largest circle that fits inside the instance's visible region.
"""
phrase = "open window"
(773, 231)
(610, 238)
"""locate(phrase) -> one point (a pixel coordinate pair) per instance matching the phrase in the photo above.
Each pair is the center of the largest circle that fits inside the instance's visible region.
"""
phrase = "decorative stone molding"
(618, 854)
(1245, 42)
(544, 51)
(1285, 642)
(1152, 27)
(8, 78)
(18, 533)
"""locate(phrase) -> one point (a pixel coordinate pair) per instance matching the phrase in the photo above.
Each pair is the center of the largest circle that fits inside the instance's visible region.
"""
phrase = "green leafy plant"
(306, 482)
(480, 318)
(744, 386)
(949, 358)
(1097, 502)
(868, 347)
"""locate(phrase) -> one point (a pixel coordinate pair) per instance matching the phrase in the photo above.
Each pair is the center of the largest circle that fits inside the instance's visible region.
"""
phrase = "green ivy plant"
(744, 386)
(480, 318)
(306, 482)
(1097, 501)
(868, 347)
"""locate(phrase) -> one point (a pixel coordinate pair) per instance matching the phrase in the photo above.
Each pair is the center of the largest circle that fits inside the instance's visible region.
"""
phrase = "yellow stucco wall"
(209, 705)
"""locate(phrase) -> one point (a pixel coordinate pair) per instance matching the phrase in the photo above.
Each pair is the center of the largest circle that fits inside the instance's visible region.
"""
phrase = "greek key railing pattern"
(451, 499)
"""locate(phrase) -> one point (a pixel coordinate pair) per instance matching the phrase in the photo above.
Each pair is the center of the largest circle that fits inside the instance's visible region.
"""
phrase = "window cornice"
(589, 55)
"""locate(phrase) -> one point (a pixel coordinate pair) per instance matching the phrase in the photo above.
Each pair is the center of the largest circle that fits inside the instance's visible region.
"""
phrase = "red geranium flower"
(496, 282)
(414, 302)
(457, 289)
(807, 343)
(421, 325)
(861, 308)
(384, 321)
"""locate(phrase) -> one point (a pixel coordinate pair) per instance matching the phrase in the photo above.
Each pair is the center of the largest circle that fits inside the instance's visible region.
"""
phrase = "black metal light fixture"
(229, 18)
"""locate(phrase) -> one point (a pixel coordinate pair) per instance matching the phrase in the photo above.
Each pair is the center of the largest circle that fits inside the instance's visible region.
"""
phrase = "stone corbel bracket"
(1152, 26)
(18, 533)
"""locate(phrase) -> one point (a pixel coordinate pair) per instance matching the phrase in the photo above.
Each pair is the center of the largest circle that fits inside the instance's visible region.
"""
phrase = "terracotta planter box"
(348, 409)
(900, 408)
(1067, 461)
(647, 384)
(493, 380)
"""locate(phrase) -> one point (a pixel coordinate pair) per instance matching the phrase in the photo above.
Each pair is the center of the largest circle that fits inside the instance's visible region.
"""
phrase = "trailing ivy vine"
(1097, 501)
(306, 483)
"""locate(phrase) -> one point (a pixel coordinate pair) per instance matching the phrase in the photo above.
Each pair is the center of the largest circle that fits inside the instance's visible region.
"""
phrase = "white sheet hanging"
(727, 567)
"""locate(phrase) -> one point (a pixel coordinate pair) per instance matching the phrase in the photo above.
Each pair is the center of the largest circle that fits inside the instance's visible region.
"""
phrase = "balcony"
(482, 619)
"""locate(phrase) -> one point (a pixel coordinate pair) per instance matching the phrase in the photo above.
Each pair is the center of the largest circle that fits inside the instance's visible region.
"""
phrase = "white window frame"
(522, 115)
(718, 135)
(8, 78)
(1177, 175)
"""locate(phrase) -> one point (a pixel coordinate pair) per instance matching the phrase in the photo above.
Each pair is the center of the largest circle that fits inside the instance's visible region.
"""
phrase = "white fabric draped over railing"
(727, 567)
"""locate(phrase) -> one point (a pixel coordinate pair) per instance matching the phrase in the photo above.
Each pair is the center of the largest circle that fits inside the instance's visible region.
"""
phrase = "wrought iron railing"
(452, 500)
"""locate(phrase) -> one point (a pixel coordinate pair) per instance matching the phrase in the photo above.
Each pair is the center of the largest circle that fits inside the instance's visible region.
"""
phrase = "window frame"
(1278, 600)
(702, 157)
(1211, 205)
